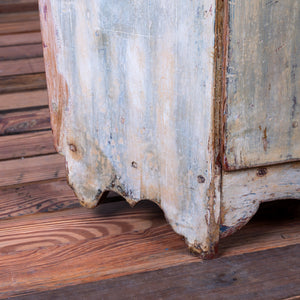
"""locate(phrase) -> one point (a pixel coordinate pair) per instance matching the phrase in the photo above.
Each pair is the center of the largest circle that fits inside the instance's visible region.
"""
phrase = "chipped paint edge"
(244, 190)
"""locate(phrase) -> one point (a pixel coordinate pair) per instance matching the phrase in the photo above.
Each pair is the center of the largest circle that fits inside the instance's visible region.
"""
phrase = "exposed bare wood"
(21, 51)
(22, 66)
(21, 171)
(20, 39)
(14, 84)
(24, 121)
(27, 144)
(23, 100)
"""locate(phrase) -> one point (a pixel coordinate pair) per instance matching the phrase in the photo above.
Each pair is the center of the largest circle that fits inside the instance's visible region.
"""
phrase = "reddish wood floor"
(51, 248)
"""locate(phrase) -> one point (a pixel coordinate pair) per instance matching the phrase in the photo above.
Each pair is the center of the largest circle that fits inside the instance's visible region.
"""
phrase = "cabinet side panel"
(263, 83)
(139, 118)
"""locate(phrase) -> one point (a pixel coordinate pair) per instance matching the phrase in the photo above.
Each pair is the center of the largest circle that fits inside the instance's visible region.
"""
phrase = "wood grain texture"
(48, 251)
(25, 16)
(224, 278)
(23, 100)
(20, 39)
(22, 66)
(116, 240)
(243, 191)
(75, 226)
(21, 51)
(21, 171)
(146, 78)
(262, 123)
(24, 145)
(18, 2)
(36, 197)
(14, 84)
(19, 27)
(24, 121)
(39, 197)
(10, 6)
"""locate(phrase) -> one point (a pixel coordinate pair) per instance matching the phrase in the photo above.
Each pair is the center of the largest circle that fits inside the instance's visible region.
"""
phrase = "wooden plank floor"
(51, 248)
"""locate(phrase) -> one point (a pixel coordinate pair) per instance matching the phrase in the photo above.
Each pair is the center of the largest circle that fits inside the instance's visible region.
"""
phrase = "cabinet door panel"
(262, 109)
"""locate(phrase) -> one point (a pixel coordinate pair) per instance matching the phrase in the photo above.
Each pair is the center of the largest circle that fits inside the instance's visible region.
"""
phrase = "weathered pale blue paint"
(138, 118)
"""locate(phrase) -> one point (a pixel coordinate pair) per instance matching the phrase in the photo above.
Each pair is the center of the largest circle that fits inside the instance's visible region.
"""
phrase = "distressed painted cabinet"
(193, 104)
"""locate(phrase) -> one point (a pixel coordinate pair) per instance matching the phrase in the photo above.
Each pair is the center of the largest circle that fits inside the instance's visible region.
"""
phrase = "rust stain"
(213, 224)
(225, 163)
(265, 141)
(215, 145)
(264, 138)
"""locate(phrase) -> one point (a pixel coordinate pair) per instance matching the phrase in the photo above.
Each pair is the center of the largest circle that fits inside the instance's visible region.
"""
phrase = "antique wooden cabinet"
(192, 104)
